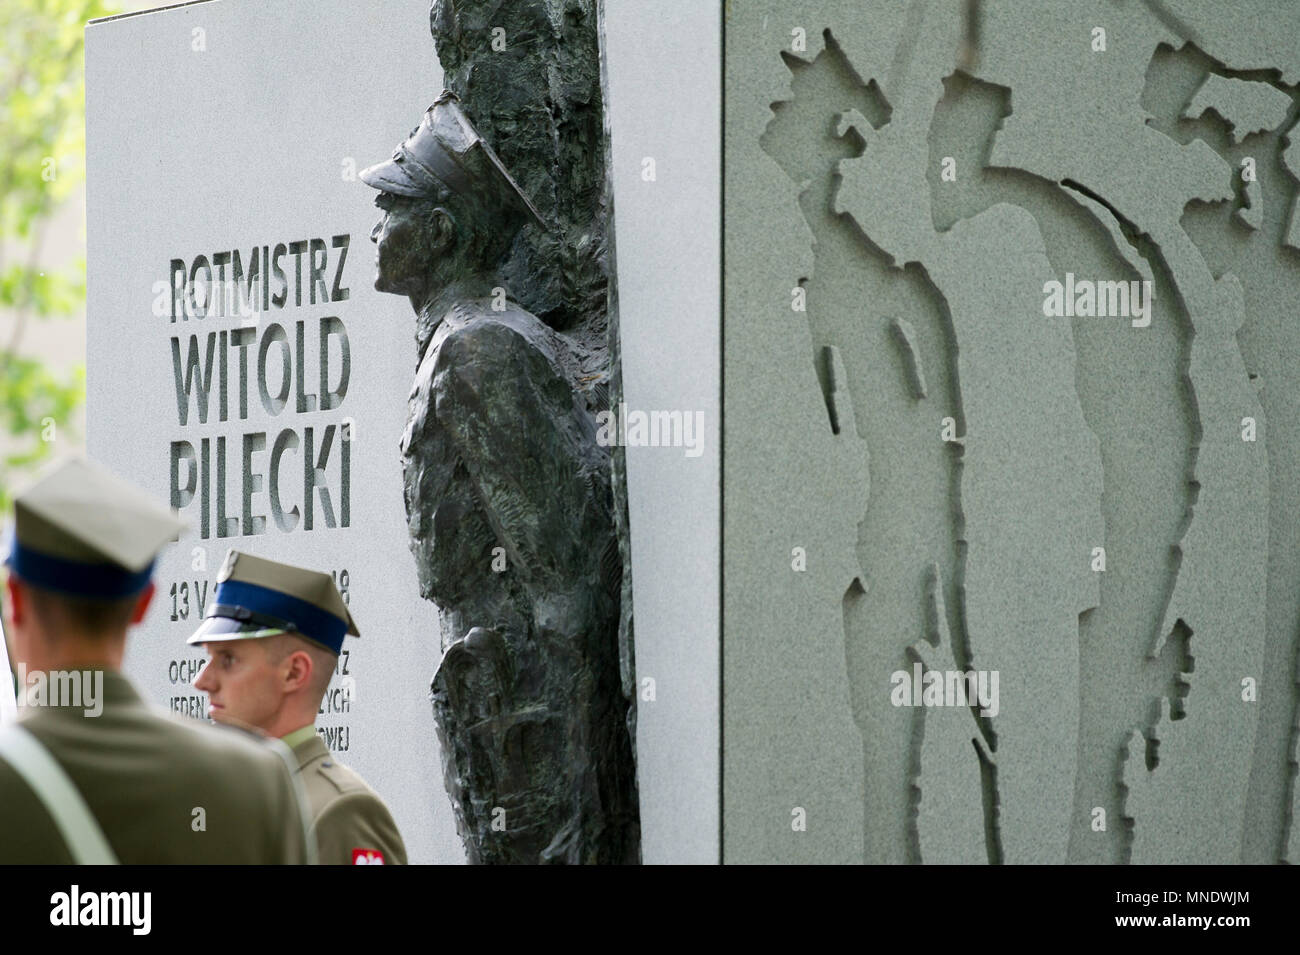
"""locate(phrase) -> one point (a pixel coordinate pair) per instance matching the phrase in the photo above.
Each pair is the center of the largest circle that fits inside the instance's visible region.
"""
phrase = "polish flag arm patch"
(367, 857)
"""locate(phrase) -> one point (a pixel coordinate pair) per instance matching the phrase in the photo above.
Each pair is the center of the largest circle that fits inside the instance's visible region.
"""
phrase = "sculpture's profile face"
(404, 255)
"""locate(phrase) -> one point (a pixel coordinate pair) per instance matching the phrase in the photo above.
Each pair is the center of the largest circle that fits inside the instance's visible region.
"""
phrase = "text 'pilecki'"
(300, 474)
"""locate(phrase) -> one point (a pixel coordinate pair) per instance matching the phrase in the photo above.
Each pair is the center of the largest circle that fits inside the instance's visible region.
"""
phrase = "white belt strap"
(33, 762)
(281, 749)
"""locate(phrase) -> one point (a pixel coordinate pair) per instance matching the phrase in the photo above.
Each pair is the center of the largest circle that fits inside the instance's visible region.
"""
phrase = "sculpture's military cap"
(78, 529)
(256, 597)
(446, 151)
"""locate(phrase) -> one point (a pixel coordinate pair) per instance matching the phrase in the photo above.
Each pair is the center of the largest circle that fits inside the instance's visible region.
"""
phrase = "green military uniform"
(143, 776)
(159, 789)
(351, 823)
(257, 598)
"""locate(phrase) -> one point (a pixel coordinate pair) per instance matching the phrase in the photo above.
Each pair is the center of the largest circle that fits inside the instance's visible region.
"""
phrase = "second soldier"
(273, 636)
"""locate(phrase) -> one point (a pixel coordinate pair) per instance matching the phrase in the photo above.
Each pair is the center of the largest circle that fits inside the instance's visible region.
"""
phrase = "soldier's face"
(401, 254)
(241, 683)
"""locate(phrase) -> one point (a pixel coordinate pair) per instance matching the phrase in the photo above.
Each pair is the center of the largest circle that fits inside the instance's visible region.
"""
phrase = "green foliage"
(44, 294)
(42, 162)
(33, 400)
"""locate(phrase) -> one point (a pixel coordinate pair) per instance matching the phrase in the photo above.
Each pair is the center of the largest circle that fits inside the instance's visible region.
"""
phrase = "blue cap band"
(105, 581)
(320, 625)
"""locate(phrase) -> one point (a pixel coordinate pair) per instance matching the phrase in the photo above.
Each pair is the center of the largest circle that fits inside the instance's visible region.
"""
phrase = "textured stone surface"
(939, 163)
(538, 100)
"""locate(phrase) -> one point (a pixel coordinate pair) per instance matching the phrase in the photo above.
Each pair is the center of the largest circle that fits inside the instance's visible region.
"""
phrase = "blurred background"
(43, 229)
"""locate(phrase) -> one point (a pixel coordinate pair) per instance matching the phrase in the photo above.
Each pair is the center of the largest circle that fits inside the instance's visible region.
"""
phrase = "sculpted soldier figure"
(508, 507)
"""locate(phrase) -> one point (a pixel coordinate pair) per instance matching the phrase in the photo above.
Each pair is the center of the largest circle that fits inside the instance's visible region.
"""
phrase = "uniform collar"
(476, 293)
(297, 736)
(309, 748)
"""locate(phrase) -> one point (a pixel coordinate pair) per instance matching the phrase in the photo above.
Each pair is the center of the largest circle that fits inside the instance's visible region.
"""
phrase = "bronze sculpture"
(510, 515)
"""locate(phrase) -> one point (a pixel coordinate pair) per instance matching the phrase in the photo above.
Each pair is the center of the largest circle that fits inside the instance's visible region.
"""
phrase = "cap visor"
(219, 629)
(395, 178)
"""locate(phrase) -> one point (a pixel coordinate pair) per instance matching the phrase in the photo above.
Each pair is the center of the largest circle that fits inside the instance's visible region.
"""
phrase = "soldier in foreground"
(90, 773)
(273, 635)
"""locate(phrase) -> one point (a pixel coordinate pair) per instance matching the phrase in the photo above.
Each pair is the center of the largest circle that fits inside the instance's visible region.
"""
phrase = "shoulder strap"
(51, 785)
(300, 796)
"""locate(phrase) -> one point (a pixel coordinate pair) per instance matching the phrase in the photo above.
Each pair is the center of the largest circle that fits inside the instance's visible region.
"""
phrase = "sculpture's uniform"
(506, 489)
(351, 823)
(163, 789)
(499, 449)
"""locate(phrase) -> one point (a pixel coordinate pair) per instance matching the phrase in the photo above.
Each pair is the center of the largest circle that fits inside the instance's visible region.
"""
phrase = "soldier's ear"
(299, 673)
(16, 598)
(444, 230)
(142, 603)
